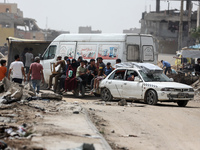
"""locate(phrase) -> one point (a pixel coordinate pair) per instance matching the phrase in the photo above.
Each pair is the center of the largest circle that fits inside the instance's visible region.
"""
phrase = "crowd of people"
(66, 76)
(70, 72)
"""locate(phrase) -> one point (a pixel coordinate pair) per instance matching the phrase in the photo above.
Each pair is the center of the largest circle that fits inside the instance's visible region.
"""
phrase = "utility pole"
(180, 27)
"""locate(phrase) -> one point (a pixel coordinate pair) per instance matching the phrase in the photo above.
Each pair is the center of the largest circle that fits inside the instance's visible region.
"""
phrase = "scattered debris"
(15, 92)
(3, 145)
(122, 102)
(85, 146)
(75, 112)
(53, 96)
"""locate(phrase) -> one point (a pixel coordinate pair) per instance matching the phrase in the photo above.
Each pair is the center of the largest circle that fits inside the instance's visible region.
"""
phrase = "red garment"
(71, 83)
(3, 71)
(36, 69)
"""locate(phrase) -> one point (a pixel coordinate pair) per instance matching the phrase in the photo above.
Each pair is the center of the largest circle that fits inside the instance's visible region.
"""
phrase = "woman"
(70, 81)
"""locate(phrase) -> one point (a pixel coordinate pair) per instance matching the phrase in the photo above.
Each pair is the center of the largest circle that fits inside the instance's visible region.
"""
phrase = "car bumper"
(174, 96)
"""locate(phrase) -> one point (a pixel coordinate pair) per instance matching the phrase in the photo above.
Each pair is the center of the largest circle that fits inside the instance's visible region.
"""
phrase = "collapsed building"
(164, 26)
(13, 24)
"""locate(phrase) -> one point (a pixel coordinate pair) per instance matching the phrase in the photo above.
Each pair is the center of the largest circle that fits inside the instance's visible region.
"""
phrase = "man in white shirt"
(17, 67)
(29, 59)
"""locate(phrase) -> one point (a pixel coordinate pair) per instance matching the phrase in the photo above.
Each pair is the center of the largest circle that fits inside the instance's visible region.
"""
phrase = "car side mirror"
(137, 79)
(171, 79)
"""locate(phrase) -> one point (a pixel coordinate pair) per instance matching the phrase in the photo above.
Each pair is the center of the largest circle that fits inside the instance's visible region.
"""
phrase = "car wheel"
(151, 97)
(182, 103)
(106, 95)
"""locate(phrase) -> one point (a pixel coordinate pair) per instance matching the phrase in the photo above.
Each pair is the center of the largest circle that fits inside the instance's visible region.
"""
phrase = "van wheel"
(106, 95)
(182, 103)
(151, 97)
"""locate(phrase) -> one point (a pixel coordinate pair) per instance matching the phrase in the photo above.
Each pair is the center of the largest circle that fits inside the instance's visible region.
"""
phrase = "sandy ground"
(143, 127)
(136, 126)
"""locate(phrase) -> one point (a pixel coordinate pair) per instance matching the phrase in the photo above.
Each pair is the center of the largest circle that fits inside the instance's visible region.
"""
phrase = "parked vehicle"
(150, 85)
(127, 47)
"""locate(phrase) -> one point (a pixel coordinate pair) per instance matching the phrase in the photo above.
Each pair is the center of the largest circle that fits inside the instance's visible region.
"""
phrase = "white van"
(127, 47)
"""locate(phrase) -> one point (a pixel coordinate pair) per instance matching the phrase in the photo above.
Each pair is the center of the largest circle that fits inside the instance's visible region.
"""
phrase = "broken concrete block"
(17, 94)
(51, 96)
(6, 83)
(85, 146)
(122, 102)
(75, 111)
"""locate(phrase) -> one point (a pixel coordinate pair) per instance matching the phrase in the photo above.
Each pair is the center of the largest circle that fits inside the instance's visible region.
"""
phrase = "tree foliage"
(195, 33)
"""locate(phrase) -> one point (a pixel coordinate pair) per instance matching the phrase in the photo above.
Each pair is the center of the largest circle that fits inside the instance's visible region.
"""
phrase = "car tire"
(182, 103)
(151, 97)
(106, 95)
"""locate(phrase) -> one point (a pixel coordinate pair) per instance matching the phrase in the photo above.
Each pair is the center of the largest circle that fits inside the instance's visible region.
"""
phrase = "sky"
(109, 16)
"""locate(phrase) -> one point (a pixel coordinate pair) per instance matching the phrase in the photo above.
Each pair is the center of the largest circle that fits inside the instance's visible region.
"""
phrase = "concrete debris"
(15, 92)
(122, 102)
(85, 146)
(75, 112)
(3, 145)
(51, 96)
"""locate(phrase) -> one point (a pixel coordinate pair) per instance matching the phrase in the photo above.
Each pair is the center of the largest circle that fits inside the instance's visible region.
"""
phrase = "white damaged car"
(148, 83)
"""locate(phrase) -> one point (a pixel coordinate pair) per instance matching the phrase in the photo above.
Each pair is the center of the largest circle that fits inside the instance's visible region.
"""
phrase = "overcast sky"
(110, 16)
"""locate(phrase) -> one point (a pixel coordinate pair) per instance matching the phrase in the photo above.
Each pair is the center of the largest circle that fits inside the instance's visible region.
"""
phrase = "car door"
(115, 83)
(132, 89)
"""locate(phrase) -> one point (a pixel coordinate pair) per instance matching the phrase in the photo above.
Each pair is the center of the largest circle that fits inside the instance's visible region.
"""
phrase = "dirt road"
(136, 126)
(143, 127)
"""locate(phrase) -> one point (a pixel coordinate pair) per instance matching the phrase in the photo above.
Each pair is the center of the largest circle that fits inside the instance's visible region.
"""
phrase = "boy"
(3, 69)
(108, 69)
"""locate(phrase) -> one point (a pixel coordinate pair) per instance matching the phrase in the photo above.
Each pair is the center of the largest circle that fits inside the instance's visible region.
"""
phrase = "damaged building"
(13, 24)
(164, 26)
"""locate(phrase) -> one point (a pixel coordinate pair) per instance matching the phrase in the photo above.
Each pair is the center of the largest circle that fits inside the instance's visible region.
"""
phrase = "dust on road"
(135, 126)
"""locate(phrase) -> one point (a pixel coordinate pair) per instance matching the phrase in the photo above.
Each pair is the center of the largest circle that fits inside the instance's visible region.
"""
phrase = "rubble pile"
(181, 78)
(16, 92)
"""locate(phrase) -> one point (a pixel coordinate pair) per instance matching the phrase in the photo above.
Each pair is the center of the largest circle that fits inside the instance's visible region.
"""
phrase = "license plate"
(182, 95)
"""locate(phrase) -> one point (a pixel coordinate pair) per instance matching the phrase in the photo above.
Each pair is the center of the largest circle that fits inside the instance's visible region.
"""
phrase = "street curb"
(105, 144)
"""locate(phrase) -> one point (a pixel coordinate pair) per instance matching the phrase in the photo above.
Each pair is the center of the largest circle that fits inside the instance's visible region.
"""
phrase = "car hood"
(167, 85)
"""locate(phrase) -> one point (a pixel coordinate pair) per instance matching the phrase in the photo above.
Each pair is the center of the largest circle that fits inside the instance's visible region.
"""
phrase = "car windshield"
(156, 77)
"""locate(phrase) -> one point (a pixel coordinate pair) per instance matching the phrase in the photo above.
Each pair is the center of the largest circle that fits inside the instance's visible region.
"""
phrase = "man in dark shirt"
(80, 58)
(91, 70)
(101, 64)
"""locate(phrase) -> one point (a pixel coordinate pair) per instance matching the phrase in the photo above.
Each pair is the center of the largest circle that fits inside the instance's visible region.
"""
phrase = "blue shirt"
(107, 70)
(166, 64)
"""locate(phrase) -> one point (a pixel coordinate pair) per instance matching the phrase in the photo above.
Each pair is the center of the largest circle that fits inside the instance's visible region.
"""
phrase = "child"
(108, 69)
(3, 69)
(99, 77)
(131, 77)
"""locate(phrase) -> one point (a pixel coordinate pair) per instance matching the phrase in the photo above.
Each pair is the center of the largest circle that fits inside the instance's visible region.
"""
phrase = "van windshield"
(156, 77)
(50, 52)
